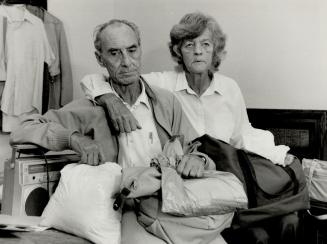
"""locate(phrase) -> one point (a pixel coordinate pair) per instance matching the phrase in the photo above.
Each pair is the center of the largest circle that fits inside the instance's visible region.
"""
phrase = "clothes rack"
(39, 3)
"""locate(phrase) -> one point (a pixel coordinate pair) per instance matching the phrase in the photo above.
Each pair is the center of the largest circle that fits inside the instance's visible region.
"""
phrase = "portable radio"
(30, 178)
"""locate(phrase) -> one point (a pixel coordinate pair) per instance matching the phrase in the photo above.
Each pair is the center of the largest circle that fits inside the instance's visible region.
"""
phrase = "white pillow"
(83, 203)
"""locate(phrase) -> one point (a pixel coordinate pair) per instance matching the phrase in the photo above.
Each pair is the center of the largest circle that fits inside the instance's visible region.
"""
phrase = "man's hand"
(91, 152)
(121, 118)
(191, 166)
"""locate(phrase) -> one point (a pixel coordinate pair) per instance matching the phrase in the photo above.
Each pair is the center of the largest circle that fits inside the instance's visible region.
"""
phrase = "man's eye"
(132, 50)
(113, 53)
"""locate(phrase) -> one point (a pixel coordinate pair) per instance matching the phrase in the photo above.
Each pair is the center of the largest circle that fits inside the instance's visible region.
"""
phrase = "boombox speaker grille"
(36, 201)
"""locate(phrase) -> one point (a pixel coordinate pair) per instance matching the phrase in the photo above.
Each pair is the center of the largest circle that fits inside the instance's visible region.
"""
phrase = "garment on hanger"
(36, 10)
(61, 87)
(39, 12)
(39, 3)
(59, 81)
(3, 31)
(27, 48)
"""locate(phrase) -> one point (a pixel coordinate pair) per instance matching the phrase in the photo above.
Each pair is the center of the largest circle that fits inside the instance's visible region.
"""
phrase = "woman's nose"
(197, 48)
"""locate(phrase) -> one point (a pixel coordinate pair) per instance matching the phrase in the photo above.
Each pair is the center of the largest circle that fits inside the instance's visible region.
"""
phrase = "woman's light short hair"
(100, 28)
(191, 26)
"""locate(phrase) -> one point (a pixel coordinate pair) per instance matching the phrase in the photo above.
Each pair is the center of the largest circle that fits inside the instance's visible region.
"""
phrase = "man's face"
(197, 53)
(120, 54)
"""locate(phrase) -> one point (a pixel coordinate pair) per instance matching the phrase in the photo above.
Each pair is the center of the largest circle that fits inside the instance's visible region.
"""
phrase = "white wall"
(277, 50)
(80, 18)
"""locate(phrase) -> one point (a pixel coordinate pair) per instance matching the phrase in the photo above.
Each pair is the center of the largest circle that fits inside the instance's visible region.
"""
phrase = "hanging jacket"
(61, 87)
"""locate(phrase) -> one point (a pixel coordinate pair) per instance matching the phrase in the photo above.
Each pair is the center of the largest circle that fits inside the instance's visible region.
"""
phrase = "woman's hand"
(191, 166)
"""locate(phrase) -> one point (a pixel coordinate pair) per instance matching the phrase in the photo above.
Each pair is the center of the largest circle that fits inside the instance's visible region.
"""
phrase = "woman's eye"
(189, 45)
(206, 44)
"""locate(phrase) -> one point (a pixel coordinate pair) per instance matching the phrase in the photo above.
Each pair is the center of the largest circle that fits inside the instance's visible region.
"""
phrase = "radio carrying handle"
(18, 149)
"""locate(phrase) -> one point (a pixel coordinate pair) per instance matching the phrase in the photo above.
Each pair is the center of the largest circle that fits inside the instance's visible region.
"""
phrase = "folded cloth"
(172, 154)
(217, 192)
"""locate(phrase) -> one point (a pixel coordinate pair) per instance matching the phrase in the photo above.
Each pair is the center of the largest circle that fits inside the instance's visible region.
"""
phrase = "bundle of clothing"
(35, 69)
(178, 210)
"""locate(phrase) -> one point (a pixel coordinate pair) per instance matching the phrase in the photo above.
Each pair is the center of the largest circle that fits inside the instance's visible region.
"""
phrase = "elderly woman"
(213, 102)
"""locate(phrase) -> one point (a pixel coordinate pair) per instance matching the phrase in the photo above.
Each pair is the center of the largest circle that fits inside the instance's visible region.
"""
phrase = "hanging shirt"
(27, 48)
(58, 77)
(139, 147)
(3, 28)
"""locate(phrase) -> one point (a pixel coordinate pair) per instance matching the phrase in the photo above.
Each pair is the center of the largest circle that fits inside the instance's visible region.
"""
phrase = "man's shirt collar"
(142, 98)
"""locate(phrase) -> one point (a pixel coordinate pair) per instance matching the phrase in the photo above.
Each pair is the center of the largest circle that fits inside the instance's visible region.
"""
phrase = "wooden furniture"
(315, 229)
(304, 131)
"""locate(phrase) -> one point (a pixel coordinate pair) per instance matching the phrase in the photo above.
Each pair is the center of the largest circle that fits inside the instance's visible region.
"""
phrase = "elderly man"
(83, 127)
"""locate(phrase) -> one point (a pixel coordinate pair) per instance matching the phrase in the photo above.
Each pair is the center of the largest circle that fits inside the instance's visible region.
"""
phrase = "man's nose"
(197, 48)
(126, 59)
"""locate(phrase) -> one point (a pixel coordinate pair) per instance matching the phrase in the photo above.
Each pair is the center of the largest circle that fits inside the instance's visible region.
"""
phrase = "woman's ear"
(177, 51)
(222, 55)
(99, 58)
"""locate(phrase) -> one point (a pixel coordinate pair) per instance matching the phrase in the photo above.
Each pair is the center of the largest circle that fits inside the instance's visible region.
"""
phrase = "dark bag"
(272, 190)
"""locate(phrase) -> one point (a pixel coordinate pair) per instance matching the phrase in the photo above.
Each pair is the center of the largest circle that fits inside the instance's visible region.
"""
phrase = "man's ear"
(99, 58)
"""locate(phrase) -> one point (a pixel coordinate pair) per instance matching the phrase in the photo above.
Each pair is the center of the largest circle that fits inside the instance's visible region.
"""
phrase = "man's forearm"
(121, 118)
(106, 99)
(38, 130)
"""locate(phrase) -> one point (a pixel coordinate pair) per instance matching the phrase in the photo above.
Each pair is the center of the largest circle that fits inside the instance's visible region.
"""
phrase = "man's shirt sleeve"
(95, 85)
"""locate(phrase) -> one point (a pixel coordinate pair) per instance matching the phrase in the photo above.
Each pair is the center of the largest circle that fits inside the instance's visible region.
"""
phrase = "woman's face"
(197, 53)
